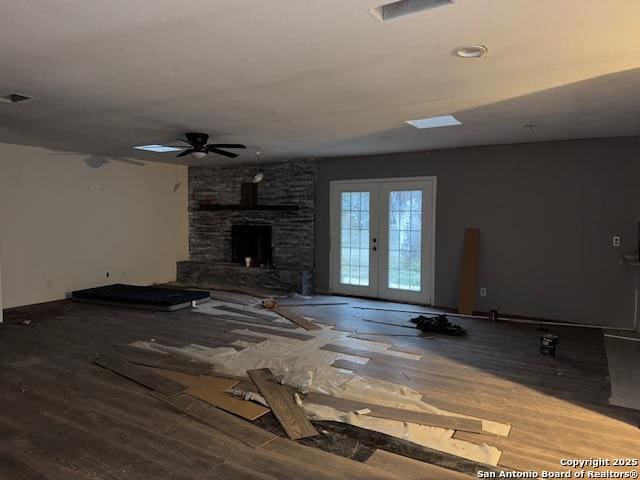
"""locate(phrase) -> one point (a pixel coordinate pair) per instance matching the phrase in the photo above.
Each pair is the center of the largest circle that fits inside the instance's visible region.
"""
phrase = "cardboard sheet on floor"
(212, 390)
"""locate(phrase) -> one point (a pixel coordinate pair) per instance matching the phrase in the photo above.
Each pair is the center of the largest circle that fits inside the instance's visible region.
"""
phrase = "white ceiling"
(314, 78)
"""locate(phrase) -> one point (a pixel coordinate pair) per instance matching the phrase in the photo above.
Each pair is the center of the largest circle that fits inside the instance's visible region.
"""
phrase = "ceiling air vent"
(14, 98)
(393, 10)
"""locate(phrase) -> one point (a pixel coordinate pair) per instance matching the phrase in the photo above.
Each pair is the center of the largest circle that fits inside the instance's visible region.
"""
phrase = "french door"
(382, 238)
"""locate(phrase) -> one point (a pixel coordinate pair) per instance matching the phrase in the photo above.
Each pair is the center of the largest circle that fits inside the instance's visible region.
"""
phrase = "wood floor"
(62, 417)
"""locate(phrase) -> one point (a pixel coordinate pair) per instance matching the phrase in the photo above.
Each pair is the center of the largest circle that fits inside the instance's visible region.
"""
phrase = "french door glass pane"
(405, 240)
(354, 238)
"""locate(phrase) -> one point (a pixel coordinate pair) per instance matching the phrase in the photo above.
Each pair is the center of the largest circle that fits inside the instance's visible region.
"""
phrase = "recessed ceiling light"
(471, 51)
(158, 148)
(435, 122)
(14, 98)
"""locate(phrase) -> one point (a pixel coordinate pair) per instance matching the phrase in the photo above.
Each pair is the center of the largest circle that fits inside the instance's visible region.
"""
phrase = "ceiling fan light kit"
(199, 148)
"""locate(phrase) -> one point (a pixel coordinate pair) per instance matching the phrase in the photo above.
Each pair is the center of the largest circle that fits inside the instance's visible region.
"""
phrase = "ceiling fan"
(200, 148)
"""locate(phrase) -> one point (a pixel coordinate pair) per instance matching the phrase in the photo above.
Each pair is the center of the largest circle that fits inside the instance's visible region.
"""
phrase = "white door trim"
(332, 240)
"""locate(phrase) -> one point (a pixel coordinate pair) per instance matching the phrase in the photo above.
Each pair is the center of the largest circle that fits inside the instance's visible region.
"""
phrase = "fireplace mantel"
(218, 207)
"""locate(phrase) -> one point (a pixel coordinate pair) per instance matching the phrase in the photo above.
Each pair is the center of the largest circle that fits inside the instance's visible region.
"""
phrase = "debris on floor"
(438, 324)
(305, 366)
(287, 380)
(269, 303)
(249, 396)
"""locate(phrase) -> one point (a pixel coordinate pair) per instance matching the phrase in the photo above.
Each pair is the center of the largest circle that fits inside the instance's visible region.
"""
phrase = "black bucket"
(549, 344)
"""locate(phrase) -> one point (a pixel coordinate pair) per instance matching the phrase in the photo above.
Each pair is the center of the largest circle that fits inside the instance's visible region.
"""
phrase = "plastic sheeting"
(304, 366)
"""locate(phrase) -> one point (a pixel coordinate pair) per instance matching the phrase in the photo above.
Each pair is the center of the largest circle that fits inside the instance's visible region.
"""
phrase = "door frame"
(334, 234)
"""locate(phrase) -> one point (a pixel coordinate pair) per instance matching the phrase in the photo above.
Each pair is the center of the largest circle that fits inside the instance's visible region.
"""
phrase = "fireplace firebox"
(251, 241)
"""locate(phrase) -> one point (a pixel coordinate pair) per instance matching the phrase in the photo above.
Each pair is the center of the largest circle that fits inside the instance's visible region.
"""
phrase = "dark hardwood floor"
(62, 417)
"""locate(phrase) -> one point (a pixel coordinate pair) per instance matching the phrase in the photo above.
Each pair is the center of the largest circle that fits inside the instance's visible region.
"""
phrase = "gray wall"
(547, 212)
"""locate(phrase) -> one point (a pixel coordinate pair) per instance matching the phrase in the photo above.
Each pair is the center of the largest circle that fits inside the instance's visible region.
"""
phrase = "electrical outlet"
(616, 241)
(483, 291)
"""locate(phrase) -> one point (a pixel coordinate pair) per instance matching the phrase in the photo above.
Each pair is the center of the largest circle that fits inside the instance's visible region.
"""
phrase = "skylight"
(158, 148)
(435, 122)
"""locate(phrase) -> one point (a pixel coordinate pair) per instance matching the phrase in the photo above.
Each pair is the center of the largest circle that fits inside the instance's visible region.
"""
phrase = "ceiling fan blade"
(185, 153)
(226, 145)
(221, 152)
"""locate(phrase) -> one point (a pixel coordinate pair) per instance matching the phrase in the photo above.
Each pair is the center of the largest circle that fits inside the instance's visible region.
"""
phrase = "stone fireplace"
(277, 231)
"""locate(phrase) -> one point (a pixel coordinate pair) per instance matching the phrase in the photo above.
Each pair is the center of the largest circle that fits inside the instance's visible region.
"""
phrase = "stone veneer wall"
(291, 182)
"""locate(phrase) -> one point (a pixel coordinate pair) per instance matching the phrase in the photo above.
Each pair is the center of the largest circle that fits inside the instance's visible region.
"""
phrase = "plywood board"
(402, 415)
(297, 319)
(141, 375)
(468, 279)
(280, 399)
(213, 391)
